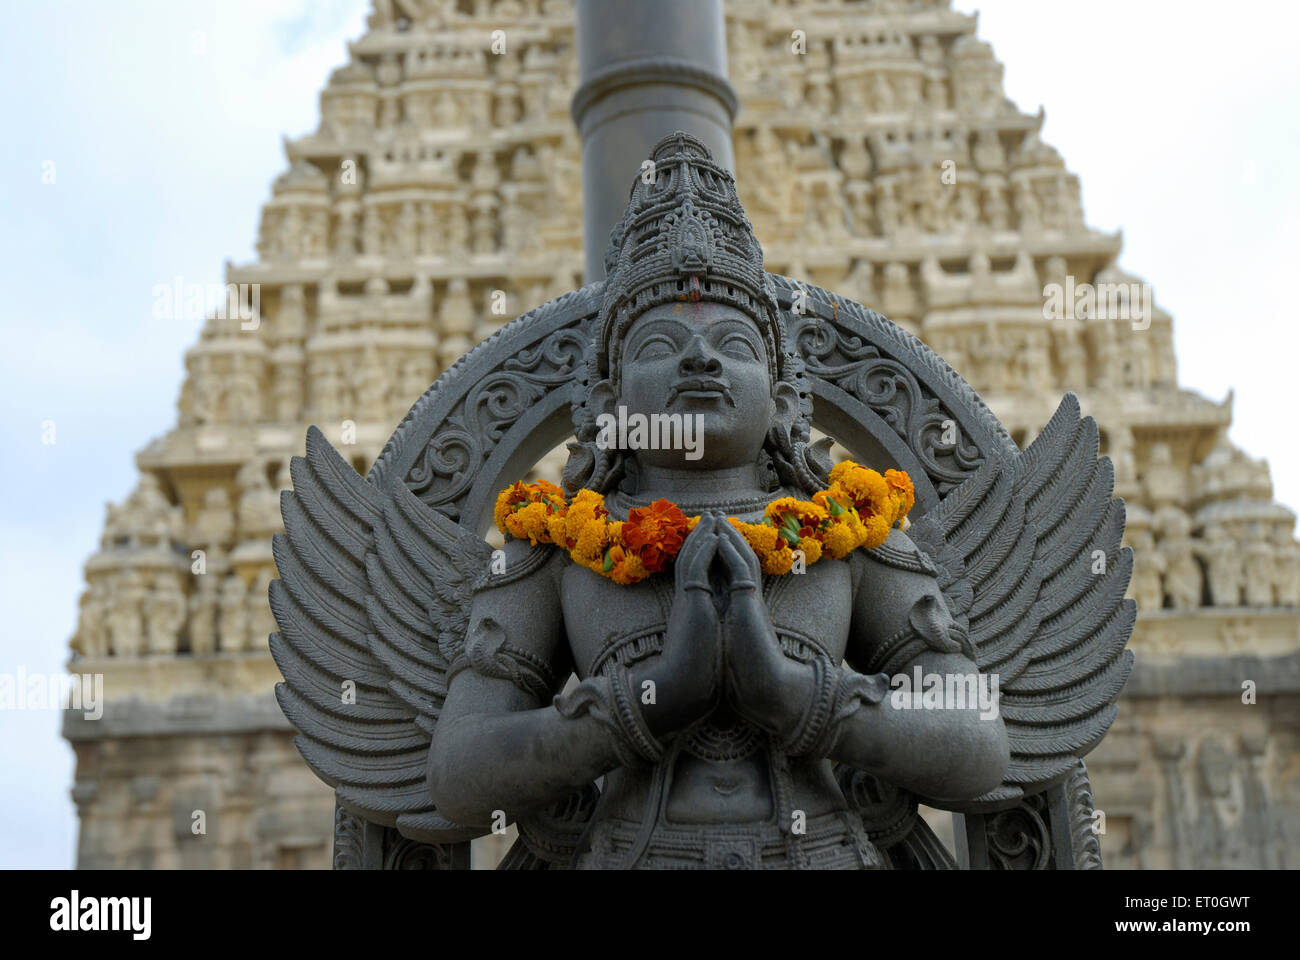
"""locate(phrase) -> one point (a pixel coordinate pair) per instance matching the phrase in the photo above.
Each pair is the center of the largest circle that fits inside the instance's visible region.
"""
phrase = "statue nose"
(699, 359)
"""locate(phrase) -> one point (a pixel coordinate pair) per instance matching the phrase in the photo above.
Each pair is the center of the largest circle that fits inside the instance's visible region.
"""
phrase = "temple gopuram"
(440, 197)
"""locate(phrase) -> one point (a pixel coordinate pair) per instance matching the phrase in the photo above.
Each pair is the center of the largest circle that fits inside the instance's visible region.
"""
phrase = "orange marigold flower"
(514, 494)
(901, 492)
(623, 567)
(655, 533)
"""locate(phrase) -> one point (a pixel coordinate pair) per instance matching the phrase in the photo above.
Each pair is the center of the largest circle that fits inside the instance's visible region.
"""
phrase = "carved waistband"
(832, 841)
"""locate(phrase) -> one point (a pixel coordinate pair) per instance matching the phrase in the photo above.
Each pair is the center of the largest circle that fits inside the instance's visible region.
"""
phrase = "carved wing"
(366, 635)
(1030, 561)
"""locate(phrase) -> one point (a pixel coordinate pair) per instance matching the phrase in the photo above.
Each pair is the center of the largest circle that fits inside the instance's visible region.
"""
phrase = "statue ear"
(785, 404)
(602, 397)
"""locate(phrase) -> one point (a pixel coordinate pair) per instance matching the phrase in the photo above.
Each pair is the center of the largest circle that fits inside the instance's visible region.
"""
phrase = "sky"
(141, 137)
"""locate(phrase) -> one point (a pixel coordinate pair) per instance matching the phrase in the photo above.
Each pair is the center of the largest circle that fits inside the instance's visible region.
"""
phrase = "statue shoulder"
(516, 630)
(898, 604)
(898, 552)
(517, 567)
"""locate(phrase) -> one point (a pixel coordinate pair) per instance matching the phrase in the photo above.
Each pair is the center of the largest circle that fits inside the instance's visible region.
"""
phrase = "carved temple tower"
(440, 197)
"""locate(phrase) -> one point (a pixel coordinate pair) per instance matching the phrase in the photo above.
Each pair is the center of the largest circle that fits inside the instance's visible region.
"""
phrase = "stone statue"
(735, 716)
(92, 632)
(164, 613)
(203, 616)
(234, 614)
(258, 503)
(125, 614)
(1223, 566)
(215, 524)
(1286, 555)
(1182, 572)
(1147, 587)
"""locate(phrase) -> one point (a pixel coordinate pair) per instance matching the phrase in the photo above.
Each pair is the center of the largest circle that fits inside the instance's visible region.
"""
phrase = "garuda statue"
(640, 678)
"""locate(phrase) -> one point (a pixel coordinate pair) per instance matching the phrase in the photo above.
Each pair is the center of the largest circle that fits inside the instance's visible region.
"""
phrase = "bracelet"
(812, 725)
(633, 723)
(837, 695)
(607, 699)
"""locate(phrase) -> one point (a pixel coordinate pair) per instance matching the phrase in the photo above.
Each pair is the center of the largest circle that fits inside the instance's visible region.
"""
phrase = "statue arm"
(901, 622)
(818, 708)
(499, 743)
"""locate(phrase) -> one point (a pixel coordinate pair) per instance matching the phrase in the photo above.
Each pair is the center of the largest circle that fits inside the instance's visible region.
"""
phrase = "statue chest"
(607, 623)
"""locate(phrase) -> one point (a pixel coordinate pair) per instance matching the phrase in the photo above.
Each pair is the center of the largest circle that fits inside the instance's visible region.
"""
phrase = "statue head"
(689, 326)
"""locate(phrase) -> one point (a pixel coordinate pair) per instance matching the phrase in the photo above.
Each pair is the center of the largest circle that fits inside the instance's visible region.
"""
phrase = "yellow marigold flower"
(866, 487)
(629, 571)
(841, 469)
(778, 561)
(557, 529)
(840, 540)
(506, 500)
(877, 530)
(624, 568)
(762, 538)
(800, 508)
(836, 493)
(812, 549)
(591, 541)
(530, 522)
(587, 507)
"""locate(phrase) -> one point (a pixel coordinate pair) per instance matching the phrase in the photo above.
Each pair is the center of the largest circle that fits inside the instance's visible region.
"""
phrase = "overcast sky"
(163, 123)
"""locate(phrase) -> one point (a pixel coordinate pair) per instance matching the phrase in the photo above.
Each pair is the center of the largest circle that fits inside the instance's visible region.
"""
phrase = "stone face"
(439, 198)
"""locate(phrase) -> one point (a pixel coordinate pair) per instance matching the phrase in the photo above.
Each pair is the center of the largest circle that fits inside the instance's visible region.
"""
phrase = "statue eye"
(738, 345)
(655, 348)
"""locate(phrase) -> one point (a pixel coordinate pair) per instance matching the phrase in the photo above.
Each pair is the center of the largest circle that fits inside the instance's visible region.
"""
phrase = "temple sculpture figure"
(713, 708)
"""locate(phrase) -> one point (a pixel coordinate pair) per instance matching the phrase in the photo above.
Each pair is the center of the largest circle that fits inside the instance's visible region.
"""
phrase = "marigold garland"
(857, 510)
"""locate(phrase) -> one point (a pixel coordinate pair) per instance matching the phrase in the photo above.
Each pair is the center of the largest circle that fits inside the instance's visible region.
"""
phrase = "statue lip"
(701, 387)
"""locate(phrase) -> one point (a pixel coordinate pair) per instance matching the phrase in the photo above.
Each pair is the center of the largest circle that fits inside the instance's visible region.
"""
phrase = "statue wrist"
(836, 695)
(610, 700)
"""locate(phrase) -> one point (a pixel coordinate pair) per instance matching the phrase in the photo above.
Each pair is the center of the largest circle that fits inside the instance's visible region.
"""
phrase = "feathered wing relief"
(1030, 562)
(366, 637)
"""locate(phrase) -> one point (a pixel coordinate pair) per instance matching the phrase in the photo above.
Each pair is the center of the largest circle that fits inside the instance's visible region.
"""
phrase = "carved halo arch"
(878, 390)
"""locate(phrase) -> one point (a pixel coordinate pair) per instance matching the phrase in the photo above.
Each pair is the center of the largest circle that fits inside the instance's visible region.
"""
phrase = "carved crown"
(684, 236)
